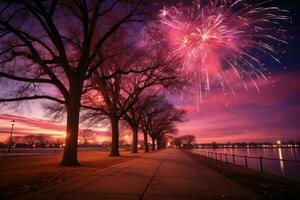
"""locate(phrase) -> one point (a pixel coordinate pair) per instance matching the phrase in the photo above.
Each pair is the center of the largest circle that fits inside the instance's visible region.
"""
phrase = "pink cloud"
(250, 116)
(273, 114)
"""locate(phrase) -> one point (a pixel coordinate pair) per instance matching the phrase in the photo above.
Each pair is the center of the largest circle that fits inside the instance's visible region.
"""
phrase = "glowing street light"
(168, 144)
(126, 139)
(11, 132)
(278, 142)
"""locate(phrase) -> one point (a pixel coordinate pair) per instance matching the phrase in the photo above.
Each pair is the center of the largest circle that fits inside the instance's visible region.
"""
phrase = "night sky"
(271, 115)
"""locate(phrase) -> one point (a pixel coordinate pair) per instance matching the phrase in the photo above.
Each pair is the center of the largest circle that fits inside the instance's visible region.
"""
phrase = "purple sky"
(269, 115)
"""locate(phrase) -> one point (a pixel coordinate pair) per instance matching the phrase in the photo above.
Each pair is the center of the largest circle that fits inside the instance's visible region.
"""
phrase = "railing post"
(216, 154)
(221, 156)
(246, 163)
(226, 157)
(261, 164)
(233, 161)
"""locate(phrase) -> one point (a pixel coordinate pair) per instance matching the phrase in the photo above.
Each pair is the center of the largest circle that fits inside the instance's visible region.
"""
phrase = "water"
(284, 168)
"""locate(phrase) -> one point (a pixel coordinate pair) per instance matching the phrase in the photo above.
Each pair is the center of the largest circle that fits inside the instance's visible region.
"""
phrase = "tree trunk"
(146, 142)
(153, 144)
(114, 136)
(158, 143)
(134, 140)
(73, 110)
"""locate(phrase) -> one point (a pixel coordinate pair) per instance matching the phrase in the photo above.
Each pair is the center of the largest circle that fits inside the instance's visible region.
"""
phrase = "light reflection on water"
(281, 162)
(291, 169)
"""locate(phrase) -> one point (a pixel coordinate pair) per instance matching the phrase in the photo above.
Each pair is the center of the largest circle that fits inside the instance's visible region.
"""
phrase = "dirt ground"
(23, 174)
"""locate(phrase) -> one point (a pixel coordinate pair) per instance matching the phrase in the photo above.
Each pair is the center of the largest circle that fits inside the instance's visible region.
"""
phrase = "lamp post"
(10, 138)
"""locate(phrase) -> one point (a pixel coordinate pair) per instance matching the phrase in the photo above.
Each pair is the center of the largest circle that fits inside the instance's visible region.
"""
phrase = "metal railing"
(231, 158)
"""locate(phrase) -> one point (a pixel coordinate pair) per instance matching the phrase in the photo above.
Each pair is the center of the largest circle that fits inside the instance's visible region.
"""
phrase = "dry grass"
(23, 174)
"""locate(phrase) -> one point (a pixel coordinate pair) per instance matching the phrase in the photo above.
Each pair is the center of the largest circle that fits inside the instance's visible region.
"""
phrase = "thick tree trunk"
(153, 144)
(73, 111)
(134, 140)
(158, 142)
(114, 136)
(146, 142)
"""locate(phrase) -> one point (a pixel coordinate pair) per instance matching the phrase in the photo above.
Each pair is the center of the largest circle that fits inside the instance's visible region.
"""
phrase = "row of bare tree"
(183, 140)
(85, 56)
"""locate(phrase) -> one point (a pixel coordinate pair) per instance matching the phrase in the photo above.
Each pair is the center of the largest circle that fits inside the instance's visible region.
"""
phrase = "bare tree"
(177, 141)
(29, 139)
(116, 87)
(40, 140)
(187, 139)
(134, 116)
(86, 135)
(159, 119)
(164, 123)
(147, 115)
(164, 131)
(58, 43)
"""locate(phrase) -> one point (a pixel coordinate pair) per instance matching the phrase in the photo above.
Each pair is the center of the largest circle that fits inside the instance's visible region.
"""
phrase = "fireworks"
(221, 40)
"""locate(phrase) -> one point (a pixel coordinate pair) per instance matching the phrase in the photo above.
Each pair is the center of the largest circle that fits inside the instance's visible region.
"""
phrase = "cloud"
(269, 115)
(25, 125)
(250, 116)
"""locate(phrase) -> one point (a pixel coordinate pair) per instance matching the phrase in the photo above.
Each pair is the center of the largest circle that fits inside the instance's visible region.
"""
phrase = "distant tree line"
(184, 140)
(36, 140)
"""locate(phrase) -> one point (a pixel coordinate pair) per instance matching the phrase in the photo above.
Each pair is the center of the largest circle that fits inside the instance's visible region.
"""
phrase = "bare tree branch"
(35, 97)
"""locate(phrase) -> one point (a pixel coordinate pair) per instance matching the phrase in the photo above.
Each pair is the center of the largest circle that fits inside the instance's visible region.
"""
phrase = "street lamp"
(10, 138)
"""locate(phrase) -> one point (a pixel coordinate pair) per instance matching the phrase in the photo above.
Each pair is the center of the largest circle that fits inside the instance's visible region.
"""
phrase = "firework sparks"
(224, 39)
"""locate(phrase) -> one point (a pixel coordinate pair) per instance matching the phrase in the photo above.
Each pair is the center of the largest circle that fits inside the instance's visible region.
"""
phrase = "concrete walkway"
(168, 174)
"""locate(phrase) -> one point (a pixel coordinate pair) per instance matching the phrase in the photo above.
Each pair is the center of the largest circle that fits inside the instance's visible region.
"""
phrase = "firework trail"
(222, 39)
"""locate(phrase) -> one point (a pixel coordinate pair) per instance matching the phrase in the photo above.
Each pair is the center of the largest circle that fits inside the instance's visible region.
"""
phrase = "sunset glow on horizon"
(239, 95)
(249, 117)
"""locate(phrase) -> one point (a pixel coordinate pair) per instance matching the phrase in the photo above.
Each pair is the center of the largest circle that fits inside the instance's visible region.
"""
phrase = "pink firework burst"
(224, 39)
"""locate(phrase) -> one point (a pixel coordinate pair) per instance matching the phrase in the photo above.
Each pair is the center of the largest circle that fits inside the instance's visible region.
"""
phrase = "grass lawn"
(23, 174)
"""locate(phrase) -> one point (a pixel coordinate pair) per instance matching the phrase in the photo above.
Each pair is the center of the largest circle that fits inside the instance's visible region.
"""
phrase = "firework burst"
(224, 39)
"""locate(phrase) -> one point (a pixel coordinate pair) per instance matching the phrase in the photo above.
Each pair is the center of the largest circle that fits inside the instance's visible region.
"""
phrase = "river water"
(284, 168)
